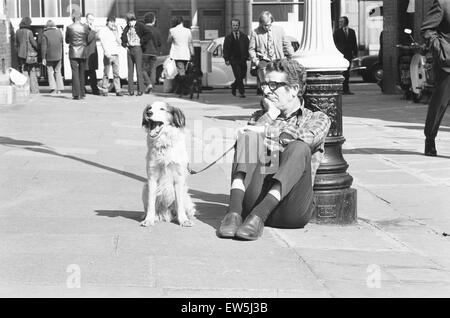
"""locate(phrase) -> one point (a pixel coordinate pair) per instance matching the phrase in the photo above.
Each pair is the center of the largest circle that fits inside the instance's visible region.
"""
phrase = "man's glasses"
(273, 85)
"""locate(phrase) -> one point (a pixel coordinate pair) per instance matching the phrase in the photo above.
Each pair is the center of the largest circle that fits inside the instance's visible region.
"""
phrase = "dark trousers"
(91, 78)
(134, 58)
(240, 72)
(181, 77)
(148, 65)
(78, 68)
(438, 104)
(293, 172)
(346, 75)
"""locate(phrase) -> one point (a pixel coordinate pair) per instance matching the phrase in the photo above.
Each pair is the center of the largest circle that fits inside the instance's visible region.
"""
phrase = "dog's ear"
(145, 118)
(179, 120)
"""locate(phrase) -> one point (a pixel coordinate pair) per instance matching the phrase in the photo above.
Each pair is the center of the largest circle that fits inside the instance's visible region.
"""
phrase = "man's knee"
(297, 148)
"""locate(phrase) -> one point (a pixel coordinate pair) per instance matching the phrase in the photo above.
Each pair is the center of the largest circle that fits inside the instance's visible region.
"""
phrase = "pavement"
(71, 176)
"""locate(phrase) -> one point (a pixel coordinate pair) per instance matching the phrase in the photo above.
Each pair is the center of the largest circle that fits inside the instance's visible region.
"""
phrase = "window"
(283, 10)
(47, 8)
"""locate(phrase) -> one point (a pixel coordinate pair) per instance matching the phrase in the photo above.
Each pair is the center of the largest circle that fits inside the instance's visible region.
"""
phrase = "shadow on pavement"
(212, 209)
(132, 215)
(231, 118)
(383, 151)
(446, 129)
(41, 148)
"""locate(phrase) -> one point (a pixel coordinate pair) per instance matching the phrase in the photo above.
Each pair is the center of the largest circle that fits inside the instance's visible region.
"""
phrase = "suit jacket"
(236, 50)
(258, 44)
(437, 19)
(77, 36)
(151, 41)
(52, 45)
(22, 36)
(346, 45)
(181, 39)
(91, 51)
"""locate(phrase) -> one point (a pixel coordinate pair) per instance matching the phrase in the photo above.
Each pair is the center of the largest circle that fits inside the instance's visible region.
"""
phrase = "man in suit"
(92, 56)
(235, 53)
(151, 46)
(268, 43)
(78, 37)
(181, 50)
(345, 40)
(437, 20)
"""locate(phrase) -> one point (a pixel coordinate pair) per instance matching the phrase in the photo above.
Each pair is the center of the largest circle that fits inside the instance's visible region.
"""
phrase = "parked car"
(368, 67)
(221, 75)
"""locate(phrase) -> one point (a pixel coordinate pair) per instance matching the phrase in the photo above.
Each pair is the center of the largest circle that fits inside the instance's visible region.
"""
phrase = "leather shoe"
(251, 229)
(229, 225)
(233, 91)
(430, 148)
(140, 93)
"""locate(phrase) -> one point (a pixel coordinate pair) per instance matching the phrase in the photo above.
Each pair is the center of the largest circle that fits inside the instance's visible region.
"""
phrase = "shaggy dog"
(165, 195)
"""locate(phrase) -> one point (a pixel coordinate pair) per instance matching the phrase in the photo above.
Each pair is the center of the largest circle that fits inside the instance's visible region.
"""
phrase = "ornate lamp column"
(335, 200)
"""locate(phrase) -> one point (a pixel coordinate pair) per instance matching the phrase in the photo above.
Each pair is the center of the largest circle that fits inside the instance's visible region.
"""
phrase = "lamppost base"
(335, 207)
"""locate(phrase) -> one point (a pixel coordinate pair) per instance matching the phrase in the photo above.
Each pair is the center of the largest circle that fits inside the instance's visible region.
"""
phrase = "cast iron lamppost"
(335, 199)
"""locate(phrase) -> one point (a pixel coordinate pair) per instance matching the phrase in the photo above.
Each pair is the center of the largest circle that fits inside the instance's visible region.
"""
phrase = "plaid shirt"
(305, 125)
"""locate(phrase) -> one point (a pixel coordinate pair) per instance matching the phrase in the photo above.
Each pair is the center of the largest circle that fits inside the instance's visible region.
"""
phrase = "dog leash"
(212, 163)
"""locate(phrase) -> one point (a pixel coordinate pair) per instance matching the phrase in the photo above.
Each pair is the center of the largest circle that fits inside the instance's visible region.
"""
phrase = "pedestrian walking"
(436, 32)
(52, 54)
(27, 52)
(277, 190)
(111, 44)
(151, 44)
(131, 39)
(92, 55)
(345, 41)
(181, 51)
(235, 53)
(268, 42)
(78, 37)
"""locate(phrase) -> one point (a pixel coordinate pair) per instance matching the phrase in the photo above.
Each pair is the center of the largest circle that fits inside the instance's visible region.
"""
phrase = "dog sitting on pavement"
(165, 195)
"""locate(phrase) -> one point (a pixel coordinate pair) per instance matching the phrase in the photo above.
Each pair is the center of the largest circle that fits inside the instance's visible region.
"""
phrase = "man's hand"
(246, 129)
(44, 62)
(227, 63)
(271, 108)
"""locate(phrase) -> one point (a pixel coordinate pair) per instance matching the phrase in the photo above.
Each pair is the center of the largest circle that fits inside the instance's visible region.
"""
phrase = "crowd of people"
(142, 41)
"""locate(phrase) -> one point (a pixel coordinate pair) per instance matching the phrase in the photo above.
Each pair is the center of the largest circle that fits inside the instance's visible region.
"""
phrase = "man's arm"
(170, 37)
(226, 49)
(432, 20)
(354, 45)
(124, 37)
(44, 47)
(287, 45)
(312, 133)
(252, 48)
(191, 44)
(67, 36)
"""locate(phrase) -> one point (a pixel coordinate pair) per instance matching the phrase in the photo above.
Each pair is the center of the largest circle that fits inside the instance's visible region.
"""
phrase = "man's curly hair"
(296, 73)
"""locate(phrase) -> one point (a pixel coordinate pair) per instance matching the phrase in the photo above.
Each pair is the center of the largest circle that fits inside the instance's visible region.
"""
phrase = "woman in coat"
(26, 43)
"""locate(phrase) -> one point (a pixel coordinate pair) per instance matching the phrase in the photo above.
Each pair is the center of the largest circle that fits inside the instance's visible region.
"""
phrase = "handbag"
(169, 69)
(32, 54)
(440, 49)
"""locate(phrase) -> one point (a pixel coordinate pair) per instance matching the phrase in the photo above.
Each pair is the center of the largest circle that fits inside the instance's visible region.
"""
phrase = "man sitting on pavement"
(278, 190)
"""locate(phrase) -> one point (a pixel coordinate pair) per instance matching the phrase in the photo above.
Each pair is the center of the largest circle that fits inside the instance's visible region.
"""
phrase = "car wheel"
(158, 74)
(417, 97)
(377, 73)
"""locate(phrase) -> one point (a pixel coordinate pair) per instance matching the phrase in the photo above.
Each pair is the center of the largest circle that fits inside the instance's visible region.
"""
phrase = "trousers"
(292, 170)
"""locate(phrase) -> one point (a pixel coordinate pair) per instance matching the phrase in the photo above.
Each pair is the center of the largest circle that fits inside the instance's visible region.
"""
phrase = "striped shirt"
(304, 124)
